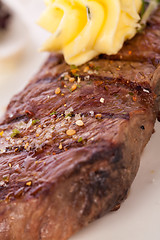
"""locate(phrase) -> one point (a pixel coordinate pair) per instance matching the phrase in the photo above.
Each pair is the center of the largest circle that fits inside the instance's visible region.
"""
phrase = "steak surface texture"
(71, 141)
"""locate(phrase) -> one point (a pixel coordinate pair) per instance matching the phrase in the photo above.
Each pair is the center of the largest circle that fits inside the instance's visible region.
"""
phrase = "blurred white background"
(19, 48)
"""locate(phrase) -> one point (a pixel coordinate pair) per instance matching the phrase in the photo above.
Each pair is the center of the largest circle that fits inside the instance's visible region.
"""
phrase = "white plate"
(139, 216)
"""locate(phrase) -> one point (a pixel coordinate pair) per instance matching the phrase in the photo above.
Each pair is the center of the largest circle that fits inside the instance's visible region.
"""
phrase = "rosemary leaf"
(153, 4)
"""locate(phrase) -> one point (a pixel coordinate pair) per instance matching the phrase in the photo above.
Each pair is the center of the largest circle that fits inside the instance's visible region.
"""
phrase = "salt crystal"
(102, 100)
(79, 123)
(91, 113)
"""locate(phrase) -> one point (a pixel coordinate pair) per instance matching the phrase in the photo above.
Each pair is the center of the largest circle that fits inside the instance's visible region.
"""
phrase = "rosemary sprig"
(152, 5)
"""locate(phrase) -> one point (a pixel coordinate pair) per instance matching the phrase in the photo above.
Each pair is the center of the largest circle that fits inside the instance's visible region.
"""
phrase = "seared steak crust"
(54, 181)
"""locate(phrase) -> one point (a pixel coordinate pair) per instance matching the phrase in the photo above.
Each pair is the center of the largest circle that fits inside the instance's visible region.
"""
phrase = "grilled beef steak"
(71, 140)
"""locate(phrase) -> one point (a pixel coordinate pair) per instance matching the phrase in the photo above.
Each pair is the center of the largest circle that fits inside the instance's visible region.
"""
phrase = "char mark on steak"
(71, 141)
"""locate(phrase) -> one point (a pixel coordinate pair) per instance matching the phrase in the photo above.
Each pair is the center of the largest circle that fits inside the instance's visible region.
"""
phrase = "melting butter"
(83, 29)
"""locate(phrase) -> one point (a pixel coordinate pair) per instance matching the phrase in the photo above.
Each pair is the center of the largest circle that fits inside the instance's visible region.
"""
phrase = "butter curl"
(83, 29)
